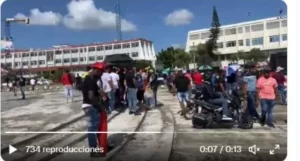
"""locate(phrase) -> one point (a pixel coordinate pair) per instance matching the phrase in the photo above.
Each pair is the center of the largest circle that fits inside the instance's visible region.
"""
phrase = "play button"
(12, 149)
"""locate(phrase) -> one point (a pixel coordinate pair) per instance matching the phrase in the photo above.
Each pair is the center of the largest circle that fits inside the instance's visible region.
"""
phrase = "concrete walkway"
(46, 111)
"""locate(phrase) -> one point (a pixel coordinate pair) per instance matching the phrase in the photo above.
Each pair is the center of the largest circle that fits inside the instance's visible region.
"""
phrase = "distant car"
(44, 82)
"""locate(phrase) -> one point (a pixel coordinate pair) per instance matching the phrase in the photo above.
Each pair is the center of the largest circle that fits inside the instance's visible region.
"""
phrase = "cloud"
(37, 17)
(179, 17)
(83, 15)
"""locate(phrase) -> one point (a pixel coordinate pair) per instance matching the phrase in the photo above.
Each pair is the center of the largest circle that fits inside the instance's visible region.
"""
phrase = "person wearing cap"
(266, 95)
(280, 78)
(182, 85)
(91, 106)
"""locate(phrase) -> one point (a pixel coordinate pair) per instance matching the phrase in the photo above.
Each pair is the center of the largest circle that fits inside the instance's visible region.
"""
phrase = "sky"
(165, 22)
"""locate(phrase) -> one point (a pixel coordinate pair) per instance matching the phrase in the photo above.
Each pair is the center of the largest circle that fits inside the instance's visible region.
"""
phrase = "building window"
(99, 57)
(205, 35)
(66, 51)
(230, 31)
(42, 62)
(2, 56)
(82, 59)
(118, 46)
(194, 37)
(58, 52)
(74, 60)
(33, 54)
(81, 50)
(17, 64)
(135, 44)
(241, 42)
(92, 58)
(230, 43)
(247, 29)
(258, 27)
(66, 60)
(25, 54)
(257, 41)
(220, 45)
(16, 55)
(135, 54)
(247, 42)
(284, 37)
(284, 23)
(126, 46)
(274, 38)
(99, 48)
(25, 63)
(273, 25)
(108, 47)
(33, 62)
(91, 49)
(74, 50)
(57, 61)
(240, 30)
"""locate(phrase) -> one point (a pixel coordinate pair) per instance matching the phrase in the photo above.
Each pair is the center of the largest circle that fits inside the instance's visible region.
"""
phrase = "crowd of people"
(255, 86)
(106, 89)
(22, 83)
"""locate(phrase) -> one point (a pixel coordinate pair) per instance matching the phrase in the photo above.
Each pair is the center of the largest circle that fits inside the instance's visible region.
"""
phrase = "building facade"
(269, 35)
(73, 56)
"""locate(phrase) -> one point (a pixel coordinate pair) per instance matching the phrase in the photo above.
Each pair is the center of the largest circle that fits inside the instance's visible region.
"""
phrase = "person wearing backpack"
(140, 87)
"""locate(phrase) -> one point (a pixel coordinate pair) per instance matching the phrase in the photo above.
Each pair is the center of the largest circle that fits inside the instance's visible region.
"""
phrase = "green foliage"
(46, 75)
(142, 64)
(214, 30)
(56, 75)
(171, 58)
(255, 55)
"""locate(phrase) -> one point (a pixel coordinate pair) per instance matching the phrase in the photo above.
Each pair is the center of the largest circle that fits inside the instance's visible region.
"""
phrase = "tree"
(142, 64)
(237, 56)
(171, 57)
(253, 56)
(211, 44)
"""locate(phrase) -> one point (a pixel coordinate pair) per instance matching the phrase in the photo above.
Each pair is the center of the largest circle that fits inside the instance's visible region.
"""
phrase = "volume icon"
(253, 149)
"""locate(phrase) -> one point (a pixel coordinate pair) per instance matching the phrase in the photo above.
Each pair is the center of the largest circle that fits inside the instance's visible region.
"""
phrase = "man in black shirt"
(131, 92)
(91, 106)
(22, 84)
(218, 96)
(182, 84)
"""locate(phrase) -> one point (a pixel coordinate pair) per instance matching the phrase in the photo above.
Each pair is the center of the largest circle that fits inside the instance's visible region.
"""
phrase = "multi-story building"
(76, 56)
(269, 35)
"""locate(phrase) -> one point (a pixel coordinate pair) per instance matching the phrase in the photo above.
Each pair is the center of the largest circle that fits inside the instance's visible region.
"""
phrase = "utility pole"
(118, 21)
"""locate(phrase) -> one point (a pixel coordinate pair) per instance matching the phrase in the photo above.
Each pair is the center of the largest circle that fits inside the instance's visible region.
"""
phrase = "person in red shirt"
(280, 79)
(67, 82)
(198, 79)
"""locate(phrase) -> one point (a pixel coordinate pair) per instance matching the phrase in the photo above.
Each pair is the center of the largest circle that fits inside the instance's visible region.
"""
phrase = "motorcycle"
(207, 115)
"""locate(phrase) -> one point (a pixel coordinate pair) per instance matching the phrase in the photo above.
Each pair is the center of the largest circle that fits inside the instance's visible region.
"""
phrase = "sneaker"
(226, 118)
(271, 125)
(137, 113)
(130, 112)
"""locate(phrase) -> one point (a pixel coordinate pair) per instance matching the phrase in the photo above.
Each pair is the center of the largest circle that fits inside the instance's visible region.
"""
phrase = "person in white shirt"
(108, 89)
(115, 79)
(32, 83)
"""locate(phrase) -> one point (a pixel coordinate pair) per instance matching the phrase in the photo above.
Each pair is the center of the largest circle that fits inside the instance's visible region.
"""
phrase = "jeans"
(93, 123)
(282, 93)
(68, 92)
(220, 101)
(112, 100)
(230, 87)
(267, 106)
(132, 100)
(155, 96)
(251, 104)
(22, 88)
(183, 96)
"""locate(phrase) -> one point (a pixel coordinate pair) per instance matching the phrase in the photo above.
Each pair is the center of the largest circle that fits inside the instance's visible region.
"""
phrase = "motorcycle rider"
(217, 96)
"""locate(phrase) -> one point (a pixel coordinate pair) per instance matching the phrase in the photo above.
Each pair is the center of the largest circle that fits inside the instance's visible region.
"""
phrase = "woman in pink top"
(267, 92)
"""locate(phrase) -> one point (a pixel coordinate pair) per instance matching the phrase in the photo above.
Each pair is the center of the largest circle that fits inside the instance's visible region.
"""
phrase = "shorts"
(183, 96)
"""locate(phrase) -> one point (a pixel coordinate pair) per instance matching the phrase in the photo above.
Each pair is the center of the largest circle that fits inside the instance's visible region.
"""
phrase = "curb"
(32, 137)
(110, 155)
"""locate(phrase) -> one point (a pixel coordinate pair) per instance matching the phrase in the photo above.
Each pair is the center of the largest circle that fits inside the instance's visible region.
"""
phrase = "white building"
(62, 56)
(270, 35)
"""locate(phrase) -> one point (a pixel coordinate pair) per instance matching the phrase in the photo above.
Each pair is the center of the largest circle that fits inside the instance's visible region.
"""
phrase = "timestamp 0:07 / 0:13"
(220, 149)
